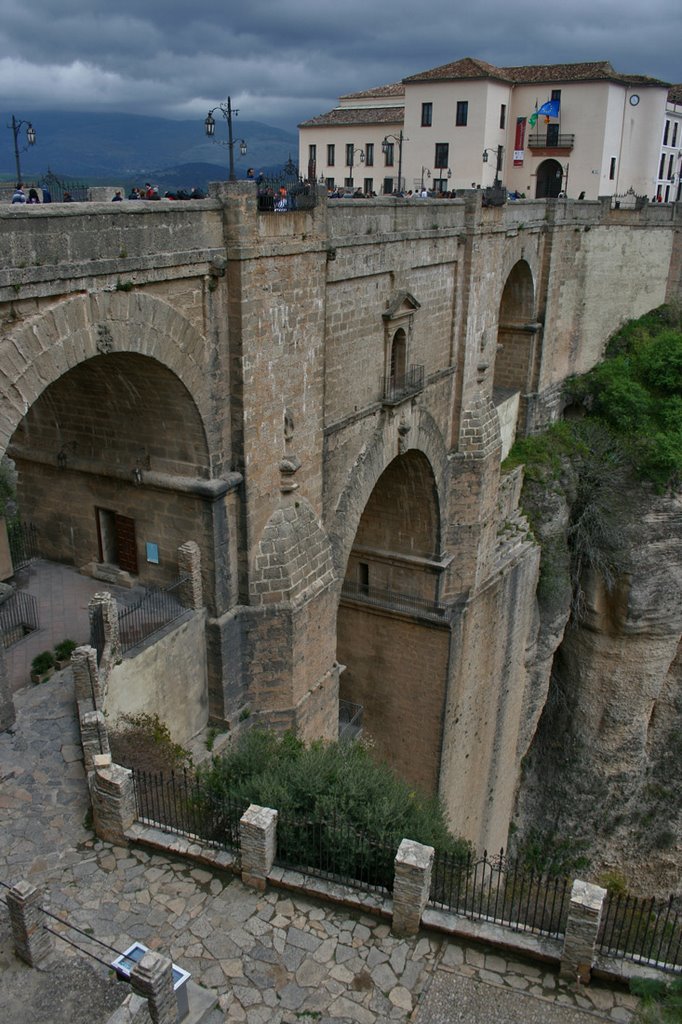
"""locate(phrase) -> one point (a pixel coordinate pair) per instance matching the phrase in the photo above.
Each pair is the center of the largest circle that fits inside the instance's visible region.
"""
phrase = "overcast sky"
(285, 61)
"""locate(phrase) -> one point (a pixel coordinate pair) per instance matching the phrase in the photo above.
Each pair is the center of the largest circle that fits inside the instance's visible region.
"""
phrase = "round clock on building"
(634, 99)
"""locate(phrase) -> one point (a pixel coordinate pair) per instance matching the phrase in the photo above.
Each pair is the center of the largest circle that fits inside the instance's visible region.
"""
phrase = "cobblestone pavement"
(270, 957)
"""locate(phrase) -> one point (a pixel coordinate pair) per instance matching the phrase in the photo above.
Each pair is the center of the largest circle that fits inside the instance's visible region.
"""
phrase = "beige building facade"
(468, 124)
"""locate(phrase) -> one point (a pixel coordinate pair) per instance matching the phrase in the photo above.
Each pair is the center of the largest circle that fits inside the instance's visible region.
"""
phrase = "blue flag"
(550, 108)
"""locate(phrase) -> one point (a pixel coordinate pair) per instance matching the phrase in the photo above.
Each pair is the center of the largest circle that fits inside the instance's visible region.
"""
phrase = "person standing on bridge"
(19, 194)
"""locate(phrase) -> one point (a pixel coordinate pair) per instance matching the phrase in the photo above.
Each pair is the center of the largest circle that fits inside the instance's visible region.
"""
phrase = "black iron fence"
(646, 930)
(23, 543)
(62, 190)
(179, 803)
(158, 608)
(382, 597)
(336, 851)
(18, 616)
(400, 386)
(350, 721)
(286, 192)
(502, 891)
(97, 637)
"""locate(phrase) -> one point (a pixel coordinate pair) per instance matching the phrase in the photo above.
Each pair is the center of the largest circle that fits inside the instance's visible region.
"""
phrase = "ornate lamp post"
(498, 167)
(384, 149)
(350, 160)
(209, 124)
(30, 139)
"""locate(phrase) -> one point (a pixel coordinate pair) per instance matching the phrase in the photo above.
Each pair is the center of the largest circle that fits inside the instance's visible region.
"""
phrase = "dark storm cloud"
(282, 62)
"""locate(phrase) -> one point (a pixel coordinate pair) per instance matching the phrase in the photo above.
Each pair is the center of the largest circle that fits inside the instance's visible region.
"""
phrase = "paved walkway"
(269, 957)
(63, 595)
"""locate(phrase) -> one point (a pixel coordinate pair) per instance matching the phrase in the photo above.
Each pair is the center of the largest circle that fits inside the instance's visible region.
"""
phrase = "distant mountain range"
(127, 149)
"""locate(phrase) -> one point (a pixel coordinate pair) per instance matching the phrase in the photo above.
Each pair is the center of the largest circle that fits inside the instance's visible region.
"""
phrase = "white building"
(467, 123)
(668, 184)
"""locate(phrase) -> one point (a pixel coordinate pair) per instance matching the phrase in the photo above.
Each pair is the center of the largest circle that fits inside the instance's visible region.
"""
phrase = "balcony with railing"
(399, 387)
(551, 140)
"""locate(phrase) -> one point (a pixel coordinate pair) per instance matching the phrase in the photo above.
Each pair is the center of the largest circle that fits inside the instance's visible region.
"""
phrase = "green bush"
(661, 1002)
(65, 649)
(328, 782)
(42, 663)
(143, 741)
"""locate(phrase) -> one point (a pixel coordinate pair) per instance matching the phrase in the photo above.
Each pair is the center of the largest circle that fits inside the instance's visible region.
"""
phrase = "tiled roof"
(470, 68)
(394, 89)
(467, 67)
(675, 93)
(585, 72)
(341, 116)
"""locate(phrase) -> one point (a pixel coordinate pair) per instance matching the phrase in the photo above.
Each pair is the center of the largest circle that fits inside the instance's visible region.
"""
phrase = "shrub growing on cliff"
(637, 392)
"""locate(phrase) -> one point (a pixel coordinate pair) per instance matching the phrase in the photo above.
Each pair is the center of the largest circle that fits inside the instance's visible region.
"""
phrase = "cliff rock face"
(606, 760)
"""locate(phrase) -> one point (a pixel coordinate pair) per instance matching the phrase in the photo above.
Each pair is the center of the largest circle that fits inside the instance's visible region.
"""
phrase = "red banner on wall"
(519, 141)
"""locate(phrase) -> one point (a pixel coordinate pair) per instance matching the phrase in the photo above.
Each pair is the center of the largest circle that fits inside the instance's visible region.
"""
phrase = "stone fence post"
(582, 928)
(31, 941)
(152, 978)
(86, 677)
(94, 738)
(112, 642)
(411, 885)
(113, 800)
(258, 836)
(189, 564)
(7, 712)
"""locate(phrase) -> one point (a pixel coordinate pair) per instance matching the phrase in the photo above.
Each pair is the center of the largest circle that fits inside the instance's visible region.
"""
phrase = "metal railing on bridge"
(400, 386)
(23, 543)
(382, 597)
(286, 191)
(648, 931)
(156, 609)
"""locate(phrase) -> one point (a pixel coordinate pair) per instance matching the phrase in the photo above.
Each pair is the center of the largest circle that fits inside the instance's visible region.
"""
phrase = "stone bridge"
(321, 399)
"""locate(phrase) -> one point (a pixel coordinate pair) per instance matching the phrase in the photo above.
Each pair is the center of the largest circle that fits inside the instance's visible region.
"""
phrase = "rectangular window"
(556, 95)
(388, 154)
(349, 154)
(427, 115)
(671, 165)
(503, 115)
(330, 155)
(441, 156)
(553, 135)
(368, 186)
(388, 186)
(329, 182)
(612, 169)
(312, 153)
(348, 183)
(462, 115)
(369, 154)
(363, 576)
(674, 139)
(666, 132)
(661, 166)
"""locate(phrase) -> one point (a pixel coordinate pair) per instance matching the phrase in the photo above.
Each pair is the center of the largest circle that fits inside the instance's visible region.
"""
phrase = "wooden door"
(126, 547)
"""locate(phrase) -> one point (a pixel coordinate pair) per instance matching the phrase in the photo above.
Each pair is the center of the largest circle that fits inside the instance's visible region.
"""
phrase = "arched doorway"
(548, 180)
(515, 351)
(392, 636)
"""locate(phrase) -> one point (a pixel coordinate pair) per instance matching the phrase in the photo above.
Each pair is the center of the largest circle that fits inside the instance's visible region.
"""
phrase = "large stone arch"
(416, 430)
(40, 350)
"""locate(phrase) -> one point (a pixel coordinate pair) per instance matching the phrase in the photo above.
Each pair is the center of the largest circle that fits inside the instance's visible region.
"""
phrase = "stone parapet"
(94, 737)
(411, 885)
(87, 685)
(258, 835)
(32, 943)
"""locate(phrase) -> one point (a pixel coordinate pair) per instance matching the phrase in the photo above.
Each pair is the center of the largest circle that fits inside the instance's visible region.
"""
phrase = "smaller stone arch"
(516, 353)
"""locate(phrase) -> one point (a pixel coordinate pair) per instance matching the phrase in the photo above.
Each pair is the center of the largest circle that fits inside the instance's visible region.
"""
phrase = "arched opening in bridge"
(548, 179)
(392, 636)
(514, 358)
(109, 462)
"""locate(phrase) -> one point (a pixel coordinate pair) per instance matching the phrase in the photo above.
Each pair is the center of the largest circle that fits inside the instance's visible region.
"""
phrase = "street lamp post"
(30, 139)
(384, 149)
(350, 159)
(498, 167)
(209, 124)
